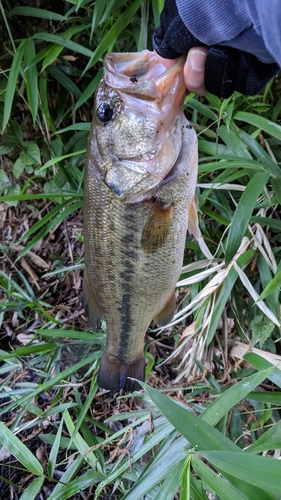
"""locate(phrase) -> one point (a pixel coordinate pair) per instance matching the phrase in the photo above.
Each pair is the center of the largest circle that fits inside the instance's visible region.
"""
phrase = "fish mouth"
(143, 76)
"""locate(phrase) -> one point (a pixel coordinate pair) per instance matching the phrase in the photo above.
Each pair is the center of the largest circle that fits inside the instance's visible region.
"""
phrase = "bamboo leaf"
(65, 81)
(261, 472)
(12, 82)
(33, 489)
(243, 213)
(31, 78)
(270, 440)
(35, 12)
(230, 398)
(123, 20)
(258, 121)
(200, 434)
(218, 485)
(54, 451)
(20, 451)
(271, 287)
(67, 44)
(261, 364)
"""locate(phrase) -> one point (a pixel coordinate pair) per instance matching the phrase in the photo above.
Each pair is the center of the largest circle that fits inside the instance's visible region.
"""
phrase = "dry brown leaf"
(238, 350)
(25, 338)
(27, 267)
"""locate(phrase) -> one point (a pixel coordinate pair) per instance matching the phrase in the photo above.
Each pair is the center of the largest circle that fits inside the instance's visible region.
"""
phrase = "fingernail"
(197, 59)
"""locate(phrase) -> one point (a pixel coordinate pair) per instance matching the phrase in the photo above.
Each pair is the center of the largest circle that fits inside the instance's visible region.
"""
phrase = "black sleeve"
(227, 69)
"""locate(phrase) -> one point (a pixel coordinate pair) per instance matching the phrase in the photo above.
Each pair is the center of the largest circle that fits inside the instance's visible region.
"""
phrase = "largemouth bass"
(140, 180)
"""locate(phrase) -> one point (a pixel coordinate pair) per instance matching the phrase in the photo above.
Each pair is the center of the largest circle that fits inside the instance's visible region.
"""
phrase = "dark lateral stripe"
(129, 256)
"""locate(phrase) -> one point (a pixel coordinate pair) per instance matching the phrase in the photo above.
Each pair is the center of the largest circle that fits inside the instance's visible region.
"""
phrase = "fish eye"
(104, 112)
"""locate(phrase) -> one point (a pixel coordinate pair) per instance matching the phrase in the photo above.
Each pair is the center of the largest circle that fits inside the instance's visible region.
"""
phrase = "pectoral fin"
(157, 226)
(167, 313)
(193, 223)
(93, 311)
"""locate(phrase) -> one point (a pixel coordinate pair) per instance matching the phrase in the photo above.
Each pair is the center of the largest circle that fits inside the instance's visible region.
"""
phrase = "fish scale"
(133, 253)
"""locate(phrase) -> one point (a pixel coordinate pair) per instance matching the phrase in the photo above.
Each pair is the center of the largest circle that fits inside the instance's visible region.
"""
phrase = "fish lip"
(152, 77)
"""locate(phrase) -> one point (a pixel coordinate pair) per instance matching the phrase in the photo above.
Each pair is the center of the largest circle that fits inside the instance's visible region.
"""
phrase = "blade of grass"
(55, 449)
(31, 78)
(35, 12)
(123, 20)
(33, 489)
(213, 481)
(200, 434)
(243, 213)
(261, 472)
(20, 451)
(12, 82)
(67, 44)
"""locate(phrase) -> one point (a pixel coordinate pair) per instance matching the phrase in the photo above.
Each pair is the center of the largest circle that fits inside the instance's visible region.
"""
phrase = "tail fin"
(113, 373)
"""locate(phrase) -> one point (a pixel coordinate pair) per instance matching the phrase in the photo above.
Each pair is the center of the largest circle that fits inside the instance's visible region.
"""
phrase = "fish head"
(137, 122)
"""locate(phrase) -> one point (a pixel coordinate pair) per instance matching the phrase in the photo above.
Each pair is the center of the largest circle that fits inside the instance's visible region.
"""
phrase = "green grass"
(217, 430)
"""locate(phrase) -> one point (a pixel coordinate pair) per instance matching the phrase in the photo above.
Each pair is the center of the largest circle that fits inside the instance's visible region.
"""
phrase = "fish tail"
(113, 373)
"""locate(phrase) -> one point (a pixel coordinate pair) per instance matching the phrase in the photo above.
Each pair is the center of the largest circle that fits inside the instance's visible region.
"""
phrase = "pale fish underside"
(135, 236)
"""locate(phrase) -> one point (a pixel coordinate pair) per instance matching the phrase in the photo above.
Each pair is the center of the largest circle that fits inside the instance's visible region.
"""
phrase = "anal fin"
(166, 315)
(92, 309)
(157, 226)
(113, 373)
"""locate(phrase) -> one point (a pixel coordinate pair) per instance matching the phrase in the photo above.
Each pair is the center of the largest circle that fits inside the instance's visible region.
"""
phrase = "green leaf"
(20, 451)
(65, 81)
(69, 334)
(49, 225)
(90, 457)
(89, 91)
(236, 393)
(266, 161)
(55, 449)
(185, 484)
(271, 287)
(84, 410)
(35, 12)
(31, 78)
(123, 20)
(68, 44)
(201, 435)
(243, 213)
(261, 472)
(270, 440)
(77, 485)
(34, 152)
(276, 185)
(258, 121)
(12, 82)
(221, 300)
(52, 54)
(273, 398)
(261, 364)
(172, 481)
(216, 484)
(50, 383)
(33, 489)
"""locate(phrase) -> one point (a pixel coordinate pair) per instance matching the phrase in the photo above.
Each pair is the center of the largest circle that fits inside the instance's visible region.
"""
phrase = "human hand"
(194, 69)
(226, 69)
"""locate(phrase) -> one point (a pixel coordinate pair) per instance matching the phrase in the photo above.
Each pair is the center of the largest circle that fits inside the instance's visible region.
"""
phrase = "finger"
(194, 70)
(167, 63)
